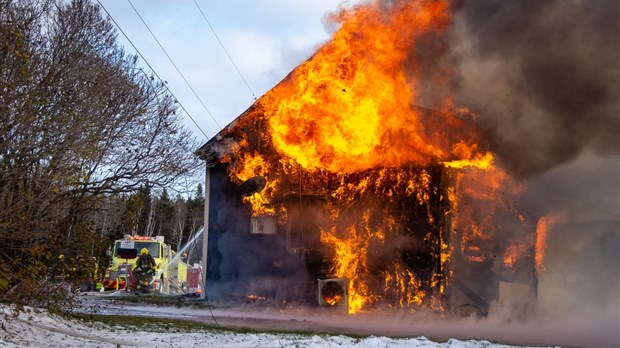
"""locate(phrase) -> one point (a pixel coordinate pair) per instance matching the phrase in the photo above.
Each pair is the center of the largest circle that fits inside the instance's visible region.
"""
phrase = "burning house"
(334, 188)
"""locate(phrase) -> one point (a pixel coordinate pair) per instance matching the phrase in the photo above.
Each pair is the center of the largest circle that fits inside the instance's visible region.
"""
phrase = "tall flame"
(347, 118)
(348, 108)
(542, 231)
(350, 260)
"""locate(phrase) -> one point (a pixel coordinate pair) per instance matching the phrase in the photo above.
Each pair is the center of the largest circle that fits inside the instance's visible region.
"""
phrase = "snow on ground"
(38, 328)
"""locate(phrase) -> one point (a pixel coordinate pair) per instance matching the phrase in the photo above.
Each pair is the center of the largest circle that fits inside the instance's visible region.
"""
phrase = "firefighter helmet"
(144, 251)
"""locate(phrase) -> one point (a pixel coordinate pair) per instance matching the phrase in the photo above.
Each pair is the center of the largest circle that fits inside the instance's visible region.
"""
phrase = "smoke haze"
(543, 76)
(543, 79)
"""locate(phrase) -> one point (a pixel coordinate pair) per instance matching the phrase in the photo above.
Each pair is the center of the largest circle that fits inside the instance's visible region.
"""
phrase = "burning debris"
(359, 195)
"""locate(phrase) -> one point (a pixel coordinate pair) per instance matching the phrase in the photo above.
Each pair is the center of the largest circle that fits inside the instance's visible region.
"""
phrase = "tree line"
(86, 137)
(146, 213)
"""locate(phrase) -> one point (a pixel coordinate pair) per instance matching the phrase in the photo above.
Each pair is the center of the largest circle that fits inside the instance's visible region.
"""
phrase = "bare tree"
(180, 216)
(195, 217)
(150, 222)
(79, 120)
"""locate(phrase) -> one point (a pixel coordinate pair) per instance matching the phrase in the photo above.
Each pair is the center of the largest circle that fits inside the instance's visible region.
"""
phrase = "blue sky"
(266, 39)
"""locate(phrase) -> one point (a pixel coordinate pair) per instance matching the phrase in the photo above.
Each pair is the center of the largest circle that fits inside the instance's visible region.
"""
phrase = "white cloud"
(266, 40)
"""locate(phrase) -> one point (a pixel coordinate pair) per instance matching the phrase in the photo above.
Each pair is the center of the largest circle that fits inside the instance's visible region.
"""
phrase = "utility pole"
(205, 237)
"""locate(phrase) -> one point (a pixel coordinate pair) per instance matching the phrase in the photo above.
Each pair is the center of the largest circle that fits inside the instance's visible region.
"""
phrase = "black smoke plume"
(543, 77)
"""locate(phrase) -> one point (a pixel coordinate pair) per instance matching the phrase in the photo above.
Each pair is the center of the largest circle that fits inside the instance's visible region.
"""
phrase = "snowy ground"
(38, 328)
(139, 322)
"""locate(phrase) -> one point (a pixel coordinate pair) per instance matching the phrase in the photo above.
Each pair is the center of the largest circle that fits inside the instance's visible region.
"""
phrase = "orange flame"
(513, 252)
(408, 288)
(348, 108)
(481, 193)
(542, 231)
(350, 260)
(333, 300)
(251, 165)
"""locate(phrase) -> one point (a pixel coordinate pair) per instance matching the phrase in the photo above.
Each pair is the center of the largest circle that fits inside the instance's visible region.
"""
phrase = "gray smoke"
(543, 76)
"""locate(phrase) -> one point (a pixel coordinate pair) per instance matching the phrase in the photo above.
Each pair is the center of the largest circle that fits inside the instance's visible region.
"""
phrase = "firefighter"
(145, 260)
(83, 273)
(60, 269)
(145, 267)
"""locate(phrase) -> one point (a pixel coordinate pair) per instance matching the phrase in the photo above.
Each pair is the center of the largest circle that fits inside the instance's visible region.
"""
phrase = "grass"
(158, 299)
(153, 324)
(158, 324)
(152, 298)
(164, 324)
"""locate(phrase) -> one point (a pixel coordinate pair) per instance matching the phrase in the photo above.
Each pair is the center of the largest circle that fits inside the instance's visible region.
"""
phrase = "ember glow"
(252, 297)
(513, 252)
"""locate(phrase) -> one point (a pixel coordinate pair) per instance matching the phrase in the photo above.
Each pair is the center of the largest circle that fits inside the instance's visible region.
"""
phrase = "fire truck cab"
(171, 274)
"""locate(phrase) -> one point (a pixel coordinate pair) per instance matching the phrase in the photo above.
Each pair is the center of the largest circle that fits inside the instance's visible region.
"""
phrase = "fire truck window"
(151, 246)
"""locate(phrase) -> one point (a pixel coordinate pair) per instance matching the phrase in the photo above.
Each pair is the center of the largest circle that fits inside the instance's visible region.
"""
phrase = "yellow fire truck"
(171, 274)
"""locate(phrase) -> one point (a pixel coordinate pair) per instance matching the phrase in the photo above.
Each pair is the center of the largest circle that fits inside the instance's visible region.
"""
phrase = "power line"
(153, 70)
(224, 48)
(175, 66)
